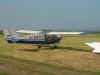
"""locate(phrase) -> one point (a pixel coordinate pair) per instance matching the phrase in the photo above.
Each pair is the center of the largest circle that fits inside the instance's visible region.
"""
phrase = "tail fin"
(6, 33)
(9, 34)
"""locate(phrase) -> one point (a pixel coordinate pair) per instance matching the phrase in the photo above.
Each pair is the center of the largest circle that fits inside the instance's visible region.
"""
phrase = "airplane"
(95, 46)
(38, 38)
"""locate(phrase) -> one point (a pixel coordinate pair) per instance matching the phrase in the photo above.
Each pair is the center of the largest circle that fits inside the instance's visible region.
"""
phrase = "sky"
(68, 15)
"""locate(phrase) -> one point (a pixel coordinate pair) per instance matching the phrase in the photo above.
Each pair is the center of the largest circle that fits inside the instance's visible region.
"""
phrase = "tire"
(39, 46)
(55, 46)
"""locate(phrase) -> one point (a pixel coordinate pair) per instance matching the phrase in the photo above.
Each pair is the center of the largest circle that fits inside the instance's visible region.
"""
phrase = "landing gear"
(39, 46)
(54, 47)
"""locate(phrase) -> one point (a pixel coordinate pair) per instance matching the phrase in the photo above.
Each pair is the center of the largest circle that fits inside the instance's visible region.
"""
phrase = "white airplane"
(38, 38)
(95, 46)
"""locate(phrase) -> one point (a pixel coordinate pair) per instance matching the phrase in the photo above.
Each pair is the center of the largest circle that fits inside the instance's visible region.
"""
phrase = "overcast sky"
(71, 15)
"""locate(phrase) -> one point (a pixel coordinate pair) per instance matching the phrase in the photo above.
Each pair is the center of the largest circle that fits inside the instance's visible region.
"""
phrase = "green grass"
(32, 67)
(1, 73)
(72, 57)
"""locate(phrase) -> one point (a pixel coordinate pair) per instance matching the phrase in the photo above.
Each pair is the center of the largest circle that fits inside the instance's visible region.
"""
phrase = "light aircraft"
(38, 38)
(95, 46)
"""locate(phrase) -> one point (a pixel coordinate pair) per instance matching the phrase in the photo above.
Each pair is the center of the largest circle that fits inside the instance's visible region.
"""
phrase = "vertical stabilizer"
(6, 33)
(9, 33)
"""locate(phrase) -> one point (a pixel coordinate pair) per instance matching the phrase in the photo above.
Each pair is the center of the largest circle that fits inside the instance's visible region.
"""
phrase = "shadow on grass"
(73, 49)
(30, 50)
(61, 48)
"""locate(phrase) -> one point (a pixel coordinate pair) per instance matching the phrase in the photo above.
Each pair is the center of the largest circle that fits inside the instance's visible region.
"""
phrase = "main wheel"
(55, 46)
(39, 46)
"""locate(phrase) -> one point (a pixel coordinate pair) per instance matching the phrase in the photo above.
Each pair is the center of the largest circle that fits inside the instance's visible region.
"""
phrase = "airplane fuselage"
(13, 40)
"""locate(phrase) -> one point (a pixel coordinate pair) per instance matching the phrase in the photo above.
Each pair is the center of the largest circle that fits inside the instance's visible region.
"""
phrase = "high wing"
(95, 45)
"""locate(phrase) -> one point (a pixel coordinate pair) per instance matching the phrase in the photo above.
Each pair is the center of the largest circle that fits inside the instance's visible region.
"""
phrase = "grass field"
(72, 57)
